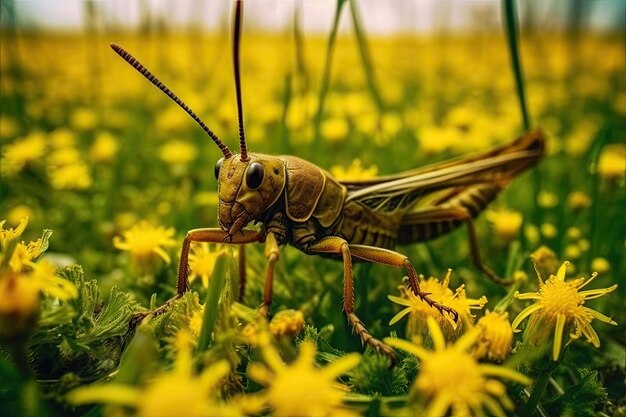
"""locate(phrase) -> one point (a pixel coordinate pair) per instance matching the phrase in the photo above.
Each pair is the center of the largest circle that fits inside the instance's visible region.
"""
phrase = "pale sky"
(379, 16)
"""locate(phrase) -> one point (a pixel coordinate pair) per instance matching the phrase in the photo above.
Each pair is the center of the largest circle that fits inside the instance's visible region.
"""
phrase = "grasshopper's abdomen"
(364, 226)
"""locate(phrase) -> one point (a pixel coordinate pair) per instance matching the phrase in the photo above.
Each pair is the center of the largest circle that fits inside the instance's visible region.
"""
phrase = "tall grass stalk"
(511, 29)
(366, 58)
(328, 63)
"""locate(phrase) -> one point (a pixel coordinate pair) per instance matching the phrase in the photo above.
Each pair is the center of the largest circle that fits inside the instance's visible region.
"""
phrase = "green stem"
(541, 383)
(506, 301)
(327, 67)
(594, 213)
(511, 29)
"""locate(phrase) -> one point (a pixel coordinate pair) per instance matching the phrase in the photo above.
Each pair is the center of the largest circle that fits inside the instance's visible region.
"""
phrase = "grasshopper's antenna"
(236, 24)
(154, 80)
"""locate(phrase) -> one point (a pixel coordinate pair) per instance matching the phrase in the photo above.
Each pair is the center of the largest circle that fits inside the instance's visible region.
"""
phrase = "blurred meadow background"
(119, 173)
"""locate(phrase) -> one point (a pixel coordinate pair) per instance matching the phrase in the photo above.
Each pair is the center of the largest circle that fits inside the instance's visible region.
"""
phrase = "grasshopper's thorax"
(246, 189)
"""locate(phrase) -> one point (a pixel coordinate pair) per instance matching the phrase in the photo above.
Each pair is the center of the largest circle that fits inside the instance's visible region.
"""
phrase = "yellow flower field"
(102, 176)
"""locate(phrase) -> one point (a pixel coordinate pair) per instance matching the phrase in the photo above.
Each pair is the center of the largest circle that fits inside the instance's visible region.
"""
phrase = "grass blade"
(328, 61)
(511, 29)
(216, 285)
(366, 59)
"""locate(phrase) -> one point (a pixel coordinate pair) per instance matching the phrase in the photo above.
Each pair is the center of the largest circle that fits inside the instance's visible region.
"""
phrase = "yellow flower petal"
(117, 394)
(558, 336)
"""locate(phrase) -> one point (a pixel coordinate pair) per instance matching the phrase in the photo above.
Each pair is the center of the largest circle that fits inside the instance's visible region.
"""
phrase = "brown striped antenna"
(236, 25)
(155, 81)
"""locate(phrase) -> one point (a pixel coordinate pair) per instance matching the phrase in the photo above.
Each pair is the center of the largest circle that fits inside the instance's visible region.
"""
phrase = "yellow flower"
(578, 200)
(506, 223)
(22, 152)
(18, 213)
(531, 233)
(252, 334)
(356, 171)
(612, 161)
(73, 176)
(10, 234)
(19, 304)
(418, 310)
(544, 259)
(572, 251)
(547, 199)
(64, 156)
(301, 388)
(44, 274)
(549, 230)
(177, 152)
(601, 265)
(62, 138)
(573, 233)
(172, 120)
(559, 305)
(169, 394)
(83, 119)
(496, 336)
(145, 241)
(19, 295)
(202, 261)
(8, 127)
(451, 378)
(335, 129)
(287, 322)
(23, 255)
(103, 148)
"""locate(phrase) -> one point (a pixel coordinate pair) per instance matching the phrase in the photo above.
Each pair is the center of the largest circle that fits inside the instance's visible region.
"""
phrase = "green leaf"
(176, 317)
(112, 319)
(139, 358)
(375, 376)
(580, 400)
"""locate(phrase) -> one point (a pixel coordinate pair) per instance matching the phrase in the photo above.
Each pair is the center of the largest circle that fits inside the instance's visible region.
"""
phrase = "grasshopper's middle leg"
(271, 254)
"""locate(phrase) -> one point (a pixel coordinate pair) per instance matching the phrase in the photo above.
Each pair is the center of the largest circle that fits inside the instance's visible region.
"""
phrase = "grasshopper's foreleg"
(210, 235)
(339, 246)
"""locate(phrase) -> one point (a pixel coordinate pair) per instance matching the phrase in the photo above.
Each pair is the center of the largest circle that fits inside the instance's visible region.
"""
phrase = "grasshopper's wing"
(531, 141)
(435, 186)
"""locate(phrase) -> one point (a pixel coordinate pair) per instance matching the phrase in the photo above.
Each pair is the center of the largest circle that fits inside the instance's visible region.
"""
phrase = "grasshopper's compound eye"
(218, 165)
(254, 175)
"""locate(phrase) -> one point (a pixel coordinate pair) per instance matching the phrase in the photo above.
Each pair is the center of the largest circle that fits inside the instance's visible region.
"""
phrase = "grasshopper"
(301, 204)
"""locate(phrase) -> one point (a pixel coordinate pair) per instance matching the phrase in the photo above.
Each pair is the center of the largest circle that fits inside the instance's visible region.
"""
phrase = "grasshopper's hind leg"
(393, 258)
(464, 216)
(436, 217)
(339, 246)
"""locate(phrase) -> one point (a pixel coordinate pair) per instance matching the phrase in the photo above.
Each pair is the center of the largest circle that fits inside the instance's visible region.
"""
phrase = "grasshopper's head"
(247, 188)
(248, 184)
